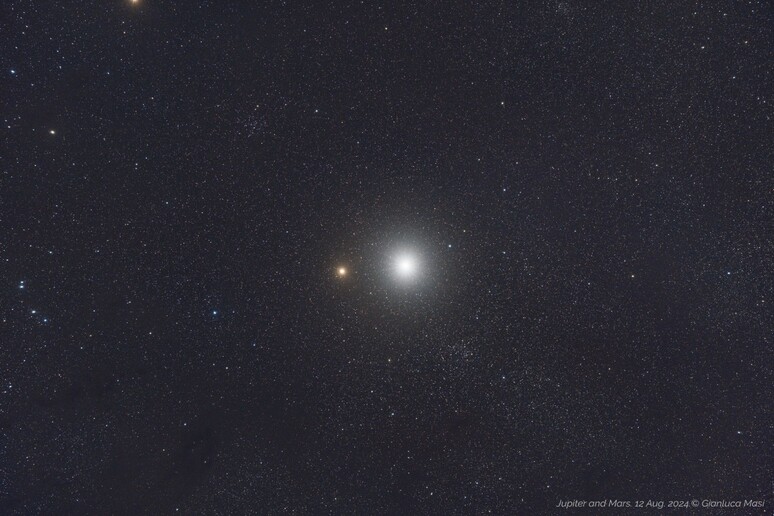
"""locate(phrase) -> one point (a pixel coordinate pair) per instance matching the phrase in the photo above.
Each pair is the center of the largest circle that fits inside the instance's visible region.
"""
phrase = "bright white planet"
(406, 266)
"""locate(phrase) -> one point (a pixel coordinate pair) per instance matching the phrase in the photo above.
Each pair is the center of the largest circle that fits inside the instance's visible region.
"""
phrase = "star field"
(400, 258)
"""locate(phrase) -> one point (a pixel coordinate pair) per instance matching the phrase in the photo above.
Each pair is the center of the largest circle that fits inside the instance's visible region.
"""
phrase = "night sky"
(432, 258)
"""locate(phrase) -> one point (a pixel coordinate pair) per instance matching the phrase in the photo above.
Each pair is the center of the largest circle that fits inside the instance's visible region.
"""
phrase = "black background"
(588, 185)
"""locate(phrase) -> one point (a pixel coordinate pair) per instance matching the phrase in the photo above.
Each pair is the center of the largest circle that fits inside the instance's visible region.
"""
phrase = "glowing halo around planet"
(406, 266)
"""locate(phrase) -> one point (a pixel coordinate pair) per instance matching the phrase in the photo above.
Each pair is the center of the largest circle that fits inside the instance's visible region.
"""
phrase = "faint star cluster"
(364, 258)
